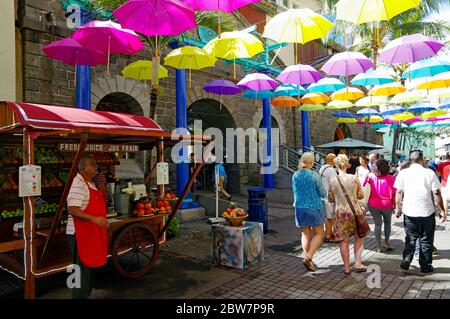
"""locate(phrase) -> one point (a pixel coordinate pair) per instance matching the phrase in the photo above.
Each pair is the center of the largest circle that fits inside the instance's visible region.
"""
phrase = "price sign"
(162, 173)
(29, 180)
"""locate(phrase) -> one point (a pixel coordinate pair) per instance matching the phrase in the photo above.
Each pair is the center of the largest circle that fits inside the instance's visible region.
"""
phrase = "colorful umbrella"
(408, 97)
(343, 114)
(421, 107)
(387, 89)
(222, 87)
(290, 90)
(299, 74)
(347, 63)
(439, 93)
(387, 110)
(445, 105)
(348, 93)
(259, 95)
(432, 114)
(426, 68)
(439, 81)
(142, 70)
(413, 120)
(285, 101)
(326, 85)
(372, 119)
(372, 77)
(367, 112)
(257, 82)
(346, 120)
(314, 98)
(311, 107)
(409, 49)
(337, 104)
(72, 52)
(371, 101)
(156, 17)
(402, 116)
(363, 11)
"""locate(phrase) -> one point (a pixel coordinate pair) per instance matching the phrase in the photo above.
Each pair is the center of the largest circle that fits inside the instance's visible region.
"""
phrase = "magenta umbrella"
(70, 51)
(410, 48)
(156, 17)
(347, 63)
(257, 82)
(299, 74)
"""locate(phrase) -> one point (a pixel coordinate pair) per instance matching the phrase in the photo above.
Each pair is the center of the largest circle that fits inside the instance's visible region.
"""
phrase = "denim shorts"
(307, 217)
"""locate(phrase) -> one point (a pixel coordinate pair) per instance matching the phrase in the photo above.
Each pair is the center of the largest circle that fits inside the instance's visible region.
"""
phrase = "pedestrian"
(220, 178)
(373, 157)
(443, 170)
(308, 192)
(345, 224)
(416, 186)
(354, 163)
(86, 226)
(327, 173)
(381, 202)
(362, 172)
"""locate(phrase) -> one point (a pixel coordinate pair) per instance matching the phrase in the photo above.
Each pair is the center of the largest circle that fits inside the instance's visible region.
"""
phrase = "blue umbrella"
(421, 107)
(387, 110)
(445, 104)
(372, 77)
(367, 112)
(290, 90)
(259, 95)
(326, 85)
(428, 67)
(343, 114)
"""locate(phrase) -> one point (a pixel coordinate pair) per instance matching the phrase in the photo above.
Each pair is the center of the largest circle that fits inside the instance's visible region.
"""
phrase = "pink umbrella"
(257, 82)
(299, 74)
(410, 48)
(156, 17)
(411, 121)
(347, 63)
(70, 51)
(108, 36)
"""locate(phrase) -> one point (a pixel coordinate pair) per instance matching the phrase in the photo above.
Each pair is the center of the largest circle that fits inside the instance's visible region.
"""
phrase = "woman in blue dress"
(309, 214)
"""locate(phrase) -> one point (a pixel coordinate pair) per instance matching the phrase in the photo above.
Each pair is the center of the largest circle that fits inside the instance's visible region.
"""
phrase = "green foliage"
(416, 138)
(174, 228)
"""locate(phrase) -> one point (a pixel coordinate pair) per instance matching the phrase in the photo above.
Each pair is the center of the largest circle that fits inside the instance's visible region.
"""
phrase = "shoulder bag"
(362, 227)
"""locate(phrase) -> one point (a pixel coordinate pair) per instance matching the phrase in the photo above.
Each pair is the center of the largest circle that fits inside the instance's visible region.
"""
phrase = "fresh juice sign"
(73, 147)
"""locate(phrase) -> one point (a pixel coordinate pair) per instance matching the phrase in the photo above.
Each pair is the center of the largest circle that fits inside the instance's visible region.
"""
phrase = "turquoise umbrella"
(372, 77)
(290, 90)
(326, 85)
(259, 95)
(426, 68)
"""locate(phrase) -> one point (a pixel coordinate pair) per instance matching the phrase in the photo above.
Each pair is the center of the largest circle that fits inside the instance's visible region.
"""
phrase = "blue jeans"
(422, 229)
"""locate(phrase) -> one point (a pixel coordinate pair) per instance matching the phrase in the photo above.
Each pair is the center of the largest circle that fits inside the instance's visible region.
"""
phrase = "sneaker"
(427, 270)
(404, 265)
(435, 252)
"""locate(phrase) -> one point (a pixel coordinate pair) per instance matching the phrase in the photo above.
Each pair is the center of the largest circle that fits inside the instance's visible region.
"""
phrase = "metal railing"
(288, 158)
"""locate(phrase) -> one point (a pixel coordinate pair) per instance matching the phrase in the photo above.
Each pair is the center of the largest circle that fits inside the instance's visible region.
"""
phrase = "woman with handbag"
(309, 214)
(345, 191)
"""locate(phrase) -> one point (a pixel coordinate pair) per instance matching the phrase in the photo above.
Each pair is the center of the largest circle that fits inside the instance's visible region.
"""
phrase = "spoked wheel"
(135, 250)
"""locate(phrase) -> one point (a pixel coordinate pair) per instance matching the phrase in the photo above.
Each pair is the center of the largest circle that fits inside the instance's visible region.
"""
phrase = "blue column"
(269, 181)
(83, 98)
(306, 140)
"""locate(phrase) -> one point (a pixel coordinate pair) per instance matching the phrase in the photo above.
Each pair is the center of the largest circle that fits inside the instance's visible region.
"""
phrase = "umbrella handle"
(75, 78)
(109, 53)
(234, 68)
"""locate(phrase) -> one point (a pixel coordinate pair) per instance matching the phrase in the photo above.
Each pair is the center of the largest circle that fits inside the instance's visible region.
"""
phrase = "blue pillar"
(306, 140)
(83, 99)
(269, 181)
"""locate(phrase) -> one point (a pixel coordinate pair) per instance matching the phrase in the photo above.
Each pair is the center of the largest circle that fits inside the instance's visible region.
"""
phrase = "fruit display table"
(237, 246)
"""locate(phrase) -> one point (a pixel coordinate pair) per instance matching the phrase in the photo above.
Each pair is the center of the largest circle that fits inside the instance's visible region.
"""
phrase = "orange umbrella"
(314, 98)
(285, 101)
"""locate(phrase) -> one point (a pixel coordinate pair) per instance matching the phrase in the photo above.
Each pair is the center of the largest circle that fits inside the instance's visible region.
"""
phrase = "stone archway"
(342, 131)
(121, 103)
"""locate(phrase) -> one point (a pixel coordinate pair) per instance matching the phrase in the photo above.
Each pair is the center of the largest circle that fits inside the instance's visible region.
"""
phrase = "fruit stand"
(33, 134)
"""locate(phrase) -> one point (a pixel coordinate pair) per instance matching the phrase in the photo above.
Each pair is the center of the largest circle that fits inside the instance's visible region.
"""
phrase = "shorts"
(307, 217)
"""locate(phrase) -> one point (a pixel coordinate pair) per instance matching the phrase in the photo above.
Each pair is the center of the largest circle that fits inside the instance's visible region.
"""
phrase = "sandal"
(362, 269)
(331, 240)
(347, 272)
(309, 264)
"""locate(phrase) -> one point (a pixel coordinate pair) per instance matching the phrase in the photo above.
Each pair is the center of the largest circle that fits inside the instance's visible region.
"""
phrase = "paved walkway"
(184, 269)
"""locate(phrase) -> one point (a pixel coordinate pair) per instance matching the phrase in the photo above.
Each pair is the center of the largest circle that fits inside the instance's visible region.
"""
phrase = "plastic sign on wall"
(29, 180)
(162, 173)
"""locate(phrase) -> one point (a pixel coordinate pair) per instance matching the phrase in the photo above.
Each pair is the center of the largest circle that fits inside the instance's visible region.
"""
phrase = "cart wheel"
(135, 250)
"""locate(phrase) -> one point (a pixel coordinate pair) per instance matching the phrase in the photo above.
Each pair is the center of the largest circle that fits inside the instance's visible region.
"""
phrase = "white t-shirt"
(78, 197)
(327, 172)
(417, 184)
(362, 174)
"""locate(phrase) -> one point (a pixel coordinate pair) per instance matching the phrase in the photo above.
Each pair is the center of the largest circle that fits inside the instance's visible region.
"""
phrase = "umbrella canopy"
(311, 107)
(409, 49)
(408, 97)
(234, 45)
(337, 104)
(143, 70)
(218, 5)
(299, 74)
(387, 89)
(297, 26)
(343, 114)
(387, 110)
(285, 101)
(347, 63)
(222, 87)
(372, 77)
(348, 93)
(70, 51)
(402, 116)
(258, 95)
(189, 57)
(257, 82)
(445, 105)
(363, 11)
(367, 112)
(156, 17)
(433, 114)
(326, 85)
(426, 68)
(351, 143)
(290, 90)
(371, 101)
(372, 119)
(421, 107)
(346, 120)
(439, 93)
(314, 98)
(439, 81)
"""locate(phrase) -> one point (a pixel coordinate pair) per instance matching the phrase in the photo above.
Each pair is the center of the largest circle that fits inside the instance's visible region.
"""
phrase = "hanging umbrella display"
(299, 74)
(343, 114)
(409, 49)
(290, 90)
(372, 77)
(445, 105)
(346, 120)
(108, 37)
(387, 89)
(432, 114)
(222, 87)
(426, 68)
(338, 104)
(297, 26)
(371, 101)
(439, 93)
(314, 98)
(404, 116)
(258, 95)
(285, 101)
(368, 112)
(311, 107)
(190, 58)
(439, 81)
(257, 82)
(156, 17)
(346, 64)
(387, 110)
(421, 107)
(408, 97)
(326, 85)
(348, 93)
(371, 119)
(142, 70)
(363, 11)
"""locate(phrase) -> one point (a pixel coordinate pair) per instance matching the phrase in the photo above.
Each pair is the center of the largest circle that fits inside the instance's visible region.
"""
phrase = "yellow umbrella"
(408, 97)
(142, 70)
(372, 119)
(346, 120)
(387, 89)
(439, 81)
(348, 93)
(311, 107)
(314, 98)
(404, 116)
(371, 101)
(234, 45)
(432, 114)
(337, 104)
(191, 58)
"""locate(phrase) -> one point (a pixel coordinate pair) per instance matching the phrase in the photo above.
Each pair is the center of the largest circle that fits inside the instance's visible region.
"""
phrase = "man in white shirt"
(327, 173)
(418, 186)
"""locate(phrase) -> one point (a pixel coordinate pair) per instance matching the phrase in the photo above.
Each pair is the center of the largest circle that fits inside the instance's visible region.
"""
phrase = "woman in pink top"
(381, 202)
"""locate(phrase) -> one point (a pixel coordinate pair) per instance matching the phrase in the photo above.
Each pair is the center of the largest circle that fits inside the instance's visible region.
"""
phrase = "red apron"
(91, 238)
